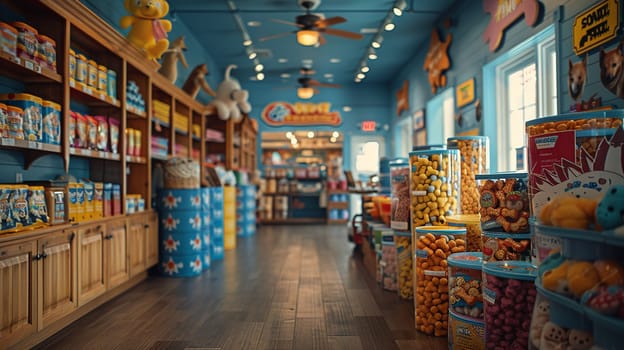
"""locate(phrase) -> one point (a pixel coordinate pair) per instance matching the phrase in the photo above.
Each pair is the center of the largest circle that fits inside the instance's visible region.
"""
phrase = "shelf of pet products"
(584, 280)
(26, 70)
(29, 145)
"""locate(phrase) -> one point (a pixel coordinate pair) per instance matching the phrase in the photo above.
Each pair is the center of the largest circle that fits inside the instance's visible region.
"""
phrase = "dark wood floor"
(287, 287)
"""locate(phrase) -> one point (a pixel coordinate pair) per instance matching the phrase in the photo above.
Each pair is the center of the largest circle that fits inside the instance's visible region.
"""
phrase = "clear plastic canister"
(400, 194)
(403, 244)
(92, 74)
(434, 186)
(503, 246)
(504, 202)
(471, 222)
(474, 160)
(434, 244)
(81, 68)
(508, 298)
(388, 265)
(465, 296)
(72, 64)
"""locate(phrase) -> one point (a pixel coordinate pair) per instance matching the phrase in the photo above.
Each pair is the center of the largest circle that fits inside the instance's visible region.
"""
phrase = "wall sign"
(504, 13)
(369, 125)
(595, 26)
(284, 113)
(403, 98)
(465, 93)
(437, 60)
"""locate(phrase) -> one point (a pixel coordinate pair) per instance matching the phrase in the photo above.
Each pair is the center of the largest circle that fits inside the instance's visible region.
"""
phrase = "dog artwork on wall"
(577, 76)
(612, 70)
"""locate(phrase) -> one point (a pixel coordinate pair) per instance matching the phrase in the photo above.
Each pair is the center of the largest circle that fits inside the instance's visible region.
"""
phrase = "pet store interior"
(311, 174)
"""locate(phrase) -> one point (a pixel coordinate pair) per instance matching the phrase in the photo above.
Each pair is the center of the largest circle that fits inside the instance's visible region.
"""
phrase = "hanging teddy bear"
(148, 31)
(231, 100)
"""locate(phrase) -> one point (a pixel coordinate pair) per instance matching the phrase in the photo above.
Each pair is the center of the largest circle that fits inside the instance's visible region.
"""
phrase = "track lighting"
(389, 27)
(365, 69)
(251, 53)
(260, 76)
(398, 8)
(361, 76)
(372, 55)
(377, 42)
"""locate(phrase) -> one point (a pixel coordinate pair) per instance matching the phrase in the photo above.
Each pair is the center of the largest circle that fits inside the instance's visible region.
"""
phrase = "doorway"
(365, 154)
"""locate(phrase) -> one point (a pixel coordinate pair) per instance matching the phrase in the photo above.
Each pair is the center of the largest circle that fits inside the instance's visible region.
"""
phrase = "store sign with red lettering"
(300, 113)
(504, 13)
(595, 26)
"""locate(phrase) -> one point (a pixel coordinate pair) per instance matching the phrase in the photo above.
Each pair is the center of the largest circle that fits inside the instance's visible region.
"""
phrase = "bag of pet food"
(6, 214)
(37, 208)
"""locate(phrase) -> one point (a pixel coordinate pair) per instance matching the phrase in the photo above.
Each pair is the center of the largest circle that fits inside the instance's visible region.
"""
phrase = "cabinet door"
(57, 271)
(136, 243)
(151, 240)
(18, 316)
(117, 254)
(91, 262)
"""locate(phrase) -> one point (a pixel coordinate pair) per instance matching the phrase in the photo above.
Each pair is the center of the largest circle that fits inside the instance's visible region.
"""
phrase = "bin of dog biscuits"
(403, 244)
(472, 223)
(434, 244)
(434, 186)
(400, 197)
(503, 246)
(575, 153)
(388, 264)
(474, 160)
(504, 202)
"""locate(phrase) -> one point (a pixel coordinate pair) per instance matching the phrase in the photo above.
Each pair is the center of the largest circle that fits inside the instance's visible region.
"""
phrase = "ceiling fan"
(308, 87)
(311, 27)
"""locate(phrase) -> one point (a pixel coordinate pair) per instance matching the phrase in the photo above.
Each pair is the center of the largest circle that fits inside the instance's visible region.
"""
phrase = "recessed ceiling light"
(334, 60)
(282, 60)
(285, 75)
(260, 76)
(346, 108)
(389, 26)
(254, 23)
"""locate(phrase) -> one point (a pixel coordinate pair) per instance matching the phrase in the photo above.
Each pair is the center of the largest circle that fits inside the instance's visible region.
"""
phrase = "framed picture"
(420, 137)
(418, 120)
(465, 92)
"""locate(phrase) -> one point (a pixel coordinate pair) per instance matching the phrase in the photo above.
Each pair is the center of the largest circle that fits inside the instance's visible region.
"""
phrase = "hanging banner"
(300, 113)
(595, 26)
(504, 14)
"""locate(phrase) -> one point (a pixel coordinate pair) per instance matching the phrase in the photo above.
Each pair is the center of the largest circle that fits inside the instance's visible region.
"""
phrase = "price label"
(16, 59)
(72, 83)
(32, 144)
(33, 67)
(87, 90)
(102, 97)
(87, 152)
(8, 142)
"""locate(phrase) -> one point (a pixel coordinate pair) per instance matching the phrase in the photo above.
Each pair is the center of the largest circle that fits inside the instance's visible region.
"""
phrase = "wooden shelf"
(94, 154)
(136, 159)
(160, 122)
(26, 70)
(30, 145)
(92, 97)
(133, 112)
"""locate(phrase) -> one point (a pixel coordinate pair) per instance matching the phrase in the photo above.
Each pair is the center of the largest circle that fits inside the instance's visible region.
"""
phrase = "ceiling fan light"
(307, 37)
(305, 92)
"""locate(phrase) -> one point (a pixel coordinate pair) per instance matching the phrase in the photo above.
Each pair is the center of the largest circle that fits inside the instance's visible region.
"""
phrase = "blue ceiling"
(214, 24)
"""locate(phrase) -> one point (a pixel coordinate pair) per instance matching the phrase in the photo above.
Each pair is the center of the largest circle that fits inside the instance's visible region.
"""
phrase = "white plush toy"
(231, 100)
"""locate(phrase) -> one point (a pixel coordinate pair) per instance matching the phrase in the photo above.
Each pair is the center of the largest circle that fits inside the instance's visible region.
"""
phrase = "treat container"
(102, 79)
(46, 53)
(81, 69)
(434, 186)
(111, 83)
(503, 246)
(51, 122)
(72, 64)
(465, 333)
(81, 137)
(26, 41)
(102, 133)
(433, 246)
(32, 113)
(388, 264)
(8, 39)
(472, 223)
(15, 122)
(405, 274)
(92, 74)
(508, 299)
(474, 160)
(606, 330)
(582, 244)
(113, 133)
(464, 285)
(400, 195)
(504, 202)
(4, 126)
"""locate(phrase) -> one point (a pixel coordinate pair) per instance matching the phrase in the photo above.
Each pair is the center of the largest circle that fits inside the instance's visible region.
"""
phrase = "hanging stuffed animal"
(197, 80)
(169, 64)
(231, 100)
(148, 31)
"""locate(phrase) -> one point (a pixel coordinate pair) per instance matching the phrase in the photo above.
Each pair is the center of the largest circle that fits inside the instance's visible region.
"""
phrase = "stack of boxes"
(216, 222)
(206, 223)
(134, 99)
(229, 217)
(245, 210)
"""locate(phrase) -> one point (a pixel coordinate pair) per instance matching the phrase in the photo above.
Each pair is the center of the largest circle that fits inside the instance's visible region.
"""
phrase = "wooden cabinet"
(91, 282)
(116, 254)
(18, 287)
(56, 277)
(142, 242)
(245, 144)
(151, 240)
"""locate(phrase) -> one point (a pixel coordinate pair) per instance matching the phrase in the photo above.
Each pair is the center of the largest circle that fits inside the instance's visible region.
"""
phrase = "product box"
(107, 203)
(116, 199)
(89, 200)
(98, 199)
(80, 202)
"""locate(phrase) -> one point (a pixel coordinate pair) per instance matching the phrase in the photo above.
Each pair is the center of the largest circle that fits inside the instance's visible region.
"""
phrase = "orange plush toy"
(148, 31)
(569, 212)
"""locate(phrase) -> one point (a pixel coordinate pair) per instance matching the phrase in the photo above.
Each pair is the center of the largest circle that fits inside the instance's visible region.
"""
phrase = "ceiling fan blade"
(321, 40)
(275, 36)
(313, 82)
(286, 22)
(342, 33)
(316, 91)
(307, 71)
(330, 21)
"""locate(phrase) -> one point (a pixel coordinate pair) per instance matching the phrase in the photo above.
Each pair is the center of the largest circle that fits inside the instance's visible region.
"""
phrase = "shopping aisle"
(288, 287)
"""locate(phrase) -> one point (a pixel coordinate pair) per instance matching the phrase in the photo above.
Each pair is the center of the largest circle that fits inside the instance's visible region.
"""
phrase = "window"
(441, 107)
(403, 137)
(523, 82)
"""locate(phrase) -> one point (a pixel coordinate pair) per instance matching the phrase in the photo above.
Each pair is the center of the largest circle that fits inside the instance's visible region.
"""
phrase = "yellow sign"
(465, 93)
(284, 113)
(596, 26)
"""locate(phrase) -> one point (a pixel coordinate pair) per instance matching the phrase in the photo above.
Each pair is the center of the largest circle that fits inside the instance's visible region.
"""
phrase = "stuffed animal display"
(148, 31)
(610, 210)
(569, 212)
(169, 63)
(231, 100)
(197, 80)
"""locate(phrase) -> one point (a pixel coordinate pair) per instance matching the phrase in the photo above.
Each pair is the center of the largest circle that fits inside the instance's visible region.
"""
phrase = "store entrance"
(365, 154)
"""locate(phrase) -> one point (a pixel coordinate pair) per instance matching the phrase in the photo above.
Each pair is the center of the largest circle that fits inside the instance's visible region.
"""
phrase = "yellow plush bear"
(148, 31)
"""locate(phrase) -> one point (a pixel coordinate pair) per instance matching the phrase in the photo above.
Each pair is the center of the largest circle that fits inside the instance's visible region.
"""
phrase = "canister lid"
(24, 26)
(470, 260)
(51, 104)
(519, 270)
(102, 67)
(503, 235)
(613, 113)
(398, 162)
(402, 233)
(441, 230)
(15, 109)
(428, 147)
(21, 96)
(42, 37)
(461, 138)
(8, 26)
(463, 219)
(503, 175)
(433, 152)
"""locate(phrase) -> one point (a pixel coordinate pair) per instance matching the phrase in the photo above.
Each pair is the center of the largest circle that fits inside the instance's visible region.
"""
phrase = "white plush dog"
(231, 100)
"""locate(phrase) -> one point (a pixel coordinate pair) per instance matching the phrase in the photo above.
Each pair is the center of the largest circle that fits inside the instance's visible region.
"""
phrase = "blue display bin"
(180, 199)
(181, 243)
(180, 221)
(181, 265)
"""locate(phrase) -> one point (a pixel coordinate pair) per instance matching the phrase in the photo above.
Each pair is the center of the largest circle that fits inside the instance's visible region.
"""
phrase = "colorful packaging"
(80, 202)
(37, 208)
(464, 284)
(19, 204)
(81, 68)
(502, 246)
(26, 41)
(102, 133)
(405, 281)
(4, 124)
(111, 83)
(72, 202)
(15, 122)
(6, 210)
(102, 79)
(89, 200)
(400, 196)
(130, 141)
(137, 142)
(32, 113)
(465, 333)
(51, 122)
(72, 64)
(472, 223)
(46, 53)
(80, 141)
(8, 39)
(92, 132)
(113, 131)
(107, 202)
(116, 199)
(98, 199)
(73, 117)
(504, 201)
(92, 74)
